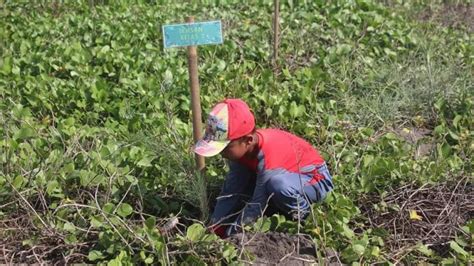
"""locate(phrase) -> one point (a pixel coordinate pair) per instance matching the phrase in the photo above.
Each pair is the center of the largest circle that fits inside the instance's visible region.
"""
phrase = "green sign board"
(190, 34)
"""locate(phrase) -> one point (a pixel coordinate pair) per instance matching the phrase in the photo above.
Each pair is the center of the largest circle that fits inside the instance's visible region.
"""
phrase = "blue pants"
(291, 193)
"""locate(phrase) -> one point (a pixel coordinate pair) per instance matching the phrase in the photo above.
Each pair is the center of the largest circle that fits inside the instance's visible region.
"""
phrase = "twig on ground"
(288, 255)
(444, 208)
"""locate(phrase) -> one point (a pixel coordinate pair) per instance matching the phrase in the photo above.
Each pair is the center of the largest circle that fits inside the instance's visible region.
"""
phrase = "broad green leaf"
(16, 70)
(168, 77)
(52, 185)
(265, 224)
(70, 239)
(145, 162)
(444, 150)
(391, 136)
(268, 111)
(122, 259)
(367, 159)
(7, 65)
(375, 252)
(331, 120)
(456, 120)
(281, 110)
(68, 168)
(453, 135)
(461, 242)
(21, 112)
(347, 231)
(441, 129)
(455, 246)
(105, 49)
(24, 133)
(195, 232)
(96, 222)
(124, 210)
(209, 238)
(358, 249)
(229, 252)
(18, 181)
(150, 222)
(69, 227)
(343, 49)
(95, 255)
(108, 207)
(390, 52)
(424, 249)
(68, 122)
(221, 65)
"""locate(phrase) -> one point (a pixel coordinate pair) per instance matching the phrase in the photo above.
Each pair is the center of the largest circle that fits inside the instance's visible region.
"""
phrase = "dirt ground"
(458, 16)
(275, 248)
(421, 137)
(440, 210)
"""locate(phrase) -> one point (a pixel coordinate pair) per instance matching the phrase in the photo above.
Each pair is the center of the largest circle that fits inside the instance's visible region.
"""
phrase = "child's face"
(236, 149)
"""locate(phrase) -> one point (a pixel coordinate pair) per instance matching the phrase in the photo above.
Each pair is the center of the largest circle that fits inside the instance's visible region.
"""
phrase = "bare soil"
(275, 248)
(420, 137)
(457, 16)
(441, 210)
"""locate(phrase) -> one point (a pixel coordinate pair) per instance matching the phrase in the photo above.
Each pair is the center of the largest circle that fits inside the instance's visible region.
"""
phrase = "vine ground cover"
(95, 115)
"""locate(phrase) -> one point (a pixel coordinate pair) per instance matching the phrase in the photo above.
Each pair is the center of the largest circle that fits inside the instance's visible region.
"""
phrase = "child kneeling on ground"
(266, 166)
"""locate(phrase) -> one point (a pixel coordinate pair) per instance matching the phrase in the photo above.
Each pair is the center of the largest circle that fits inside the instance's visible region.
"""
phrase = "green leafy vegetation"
(95, 158)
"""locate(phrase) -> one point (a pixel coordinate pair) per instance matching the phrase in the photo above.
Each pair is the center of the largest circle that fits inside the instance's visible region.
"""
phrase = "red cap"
(241, 119)
(228, 120)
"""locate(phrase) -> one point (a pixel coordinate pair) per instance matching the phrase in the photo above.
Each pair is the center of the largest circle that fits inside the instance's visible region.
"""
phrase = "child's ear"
(249, 139)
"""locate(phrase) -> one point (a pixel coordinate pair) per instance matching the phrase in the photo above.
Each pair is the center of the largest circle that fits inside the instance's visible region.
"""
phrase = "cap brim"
(210, 148)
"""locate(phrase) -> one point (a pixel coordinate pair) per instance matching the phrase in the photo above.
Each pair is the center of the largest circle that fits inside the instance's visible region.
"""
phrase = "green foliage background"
(96, 124)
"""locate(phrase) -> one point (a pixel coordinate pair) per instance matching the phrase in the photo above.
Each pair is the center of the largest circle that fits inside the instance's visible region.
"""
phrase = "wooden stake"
(276, 29)
(195, 98)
